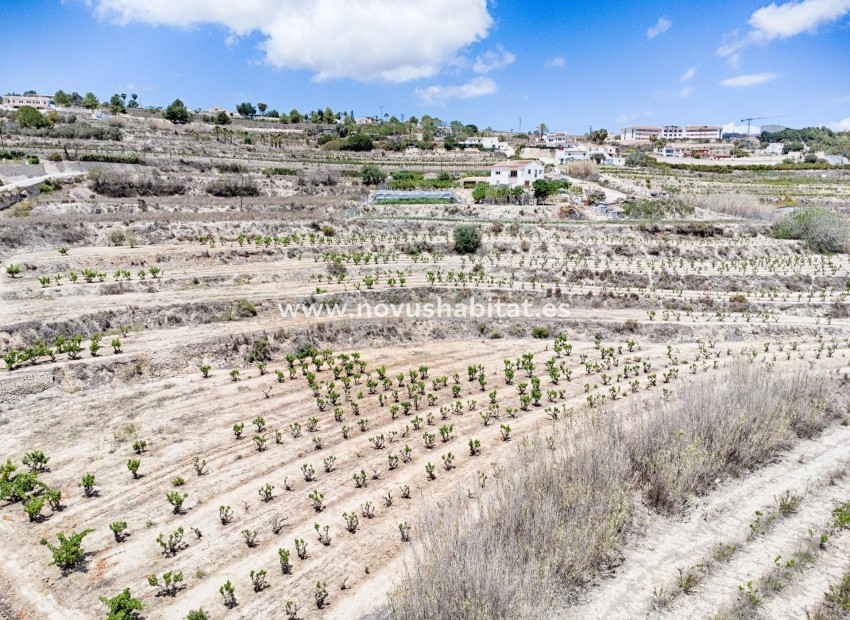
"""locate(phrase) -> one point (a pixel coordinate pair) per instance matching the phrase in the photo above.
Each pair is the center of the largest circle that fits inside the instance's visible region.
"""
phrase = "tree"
(598, 136)
(262, 107)
(467, 238)
(70, 551)
(359, 142)
(544, 188)
(479, 192)
(117, 104)
(27, 117)
(177, 113)
(222, 118)
(372, 175)
(542, 129)
(134, 101)
(62, 98)
(123, 606)
(295, 116)
(636, 158)
(246, 108)
(450, 143)
(90, 101)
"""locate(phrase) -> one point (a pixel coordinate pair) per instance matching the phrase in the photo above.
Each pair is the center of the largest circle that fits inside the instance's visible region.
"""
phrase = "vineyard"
(198, 416)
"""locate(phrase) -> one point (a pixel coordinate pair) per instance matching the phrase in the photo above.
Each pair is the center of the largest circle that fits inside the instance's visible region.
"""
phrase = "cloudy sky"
(568, 63)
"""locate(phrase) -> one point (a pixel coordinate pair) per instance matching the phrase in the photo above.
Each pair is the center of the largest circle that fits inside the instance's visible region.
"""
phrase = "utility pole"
(382, 112)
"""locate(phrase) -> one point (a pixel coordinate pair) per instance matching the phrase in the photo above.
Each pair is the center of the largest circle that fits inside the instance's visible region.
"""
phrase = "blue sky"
(569, 64)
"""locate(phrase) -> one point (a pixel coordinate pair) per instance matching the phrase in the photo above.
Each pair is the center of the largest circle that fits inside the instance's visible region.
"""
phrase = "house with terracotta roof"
(516, 173)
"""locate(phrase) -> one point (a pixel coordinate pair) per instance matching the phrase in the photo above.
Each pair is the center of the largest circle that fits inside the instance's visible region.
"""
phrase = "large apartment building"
(39, 102)
(703, 132)
(672, 132)
(641, 132)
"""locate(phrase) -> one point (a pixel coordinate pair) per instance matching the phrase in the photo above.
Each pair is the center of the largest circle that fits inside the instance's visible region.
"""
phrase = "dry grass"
(583, 170)
(553, 519)
(743, 206)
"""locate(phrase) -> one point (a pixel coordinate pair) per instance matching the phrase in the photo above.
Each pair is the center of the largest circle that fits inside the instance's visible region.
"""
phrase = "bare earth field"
(646, 314)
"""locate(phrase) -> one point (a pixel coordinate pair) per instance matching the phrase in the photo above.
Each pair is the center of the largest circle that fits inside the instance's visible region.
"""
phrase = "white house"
(560, 139)
(566, 154)
(516, 173)
(484, 143)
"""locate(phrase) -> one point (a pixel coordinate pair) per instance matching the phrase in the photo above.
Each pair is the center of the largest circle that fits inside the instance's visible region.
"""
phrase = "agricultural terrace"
(168, 430)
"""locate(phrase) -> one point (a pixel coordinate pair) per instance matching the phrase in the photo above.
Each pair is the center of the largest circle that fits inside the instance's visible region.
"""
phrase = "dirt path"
(651, 562)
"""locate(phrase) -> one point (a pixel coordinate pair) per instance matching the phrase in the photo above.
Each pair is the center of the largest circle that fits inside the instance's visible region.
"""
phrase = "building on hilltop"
(640, 132)
(560, 139)
(39, 102)
(703, 132)
(483, 142)
(516, 173)
(672, 132)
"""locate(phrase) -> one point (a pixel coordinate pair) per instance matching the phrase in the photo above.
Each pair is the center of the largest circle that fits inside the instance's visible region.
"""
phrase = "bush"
(176, 112)
(540, 332)
(126, 158)
(81, 131)
(820, 229)
(284, 172)
(69, 552)
(123, 606)
(228, 188)
(372, 175)
(28, 116)
(467, 238)
(358, 142)
(120, 185)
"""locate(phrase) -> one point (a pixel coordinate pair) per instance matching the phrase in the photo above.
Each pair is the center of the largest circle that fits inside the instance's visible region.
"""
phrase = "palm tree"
(542, 129)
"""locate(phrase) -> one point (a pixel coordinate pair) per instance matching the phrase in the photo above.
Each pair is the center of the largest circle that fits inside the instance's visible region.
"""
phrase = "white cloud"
(731, 127)
(842, 125)
(493, 60)
(687, 91)
(688, 75)
(781, 21)
(749, 79)
(555, 63)
(476, 87)
(792, 18)
(361, 39)
(628, 118)
(662, 25)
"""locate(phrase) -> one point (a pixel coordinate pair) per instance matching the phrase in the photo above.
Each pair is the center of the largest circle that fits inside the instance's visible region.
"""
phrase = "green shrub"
(284, 172)
(372, 175)
(228, 188)
(467, 238)
(822, 230)
(123, 606)
(27, 117)
(126, 158)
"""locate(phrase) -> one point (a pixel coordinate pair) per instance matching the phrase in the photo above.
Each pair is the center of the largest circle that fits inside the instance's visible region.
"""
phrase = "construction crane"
(757, 118)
